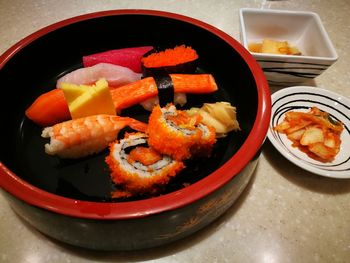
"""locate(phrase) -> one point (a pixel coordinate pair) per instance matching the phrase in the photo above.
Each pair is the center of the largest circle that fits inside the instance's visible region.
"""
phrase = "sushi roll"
(176, 133)
(138, 169)
(180, 59)
(204, 146)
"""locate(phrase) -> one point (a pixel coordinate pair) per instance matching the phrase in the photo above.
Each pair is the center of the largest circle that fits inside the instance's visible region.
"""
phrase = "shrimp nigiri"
(85, 136)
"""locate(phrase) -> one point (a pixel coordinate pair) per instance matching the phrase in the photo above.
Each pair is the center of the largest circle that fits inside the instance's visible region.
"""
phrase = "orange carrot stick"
(49, 108)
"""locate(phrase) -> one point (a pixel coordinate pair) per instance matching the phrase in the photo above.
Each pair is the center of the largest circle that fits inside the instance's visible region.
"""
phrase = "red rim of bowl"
(135, 209)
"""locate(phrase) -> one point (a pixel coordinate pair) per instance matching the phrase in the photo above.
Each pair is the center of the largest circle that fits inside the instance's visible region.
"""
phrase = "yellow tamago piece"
(73, 91)
(95, 100)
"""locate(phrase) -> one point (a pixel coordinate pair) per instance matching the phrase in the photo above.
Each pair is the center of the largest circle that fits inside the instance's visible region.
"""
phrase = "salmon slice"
(85, 136)
(49, 108)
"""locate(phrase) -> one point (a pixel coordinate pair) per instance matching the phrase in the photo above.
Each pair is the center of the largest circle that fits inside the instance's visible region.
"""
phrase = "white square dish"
(301, 29)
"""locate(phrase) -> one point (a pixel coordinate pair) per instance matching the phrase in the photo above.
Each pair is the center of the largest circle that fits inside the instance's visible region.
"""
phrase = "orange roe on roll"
(170, 57)
(131, 181)
(133, 184)
(183, 120)
(170, 141)
(177, 134)
(205, 144)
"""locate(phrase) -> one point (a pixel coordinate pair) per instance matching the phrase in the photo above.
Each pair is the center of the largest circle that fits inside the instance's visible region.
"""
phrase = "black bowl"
(70, 200)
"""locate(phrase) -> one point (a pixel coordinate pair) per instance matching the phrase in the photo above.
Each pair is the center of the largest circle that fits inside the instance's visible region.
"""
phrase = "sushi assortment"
(51, 107)
(81, 116)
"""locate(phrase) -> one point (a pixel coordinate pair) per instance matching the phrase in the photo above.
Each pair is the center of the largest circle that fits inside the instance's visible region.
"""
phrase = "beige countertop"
(285, 215)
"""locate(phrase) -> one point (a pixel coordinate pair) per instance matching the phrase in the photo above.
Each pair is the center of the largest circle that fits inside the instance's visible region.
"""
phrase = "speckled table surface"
(285, 214)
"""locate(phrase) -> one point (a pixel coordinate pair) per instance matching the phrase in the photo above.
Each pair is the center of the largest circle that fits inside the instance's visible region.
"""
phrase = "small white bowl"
(302, 98)
(303, 30)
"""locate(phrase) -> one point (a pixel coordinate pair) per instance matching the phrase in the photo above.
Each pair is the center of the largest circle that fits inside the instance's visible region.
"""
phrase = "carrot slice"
(49, 108)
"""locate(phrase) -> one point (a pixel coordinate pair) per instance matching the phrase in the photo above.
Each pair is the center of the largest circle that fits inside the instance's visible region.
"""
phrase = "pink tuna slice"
(115, 75)
(126, 57)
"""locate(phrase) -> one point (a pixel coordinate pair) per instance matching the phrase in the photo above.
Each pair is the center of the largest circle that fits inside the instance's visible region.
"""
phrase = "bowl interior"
(301, 29)
(54, 51)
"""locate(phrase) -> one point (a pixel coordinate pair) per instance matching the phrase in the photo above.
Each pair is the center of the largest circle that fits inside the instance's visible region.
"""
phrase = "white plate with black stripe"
(302, 98)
